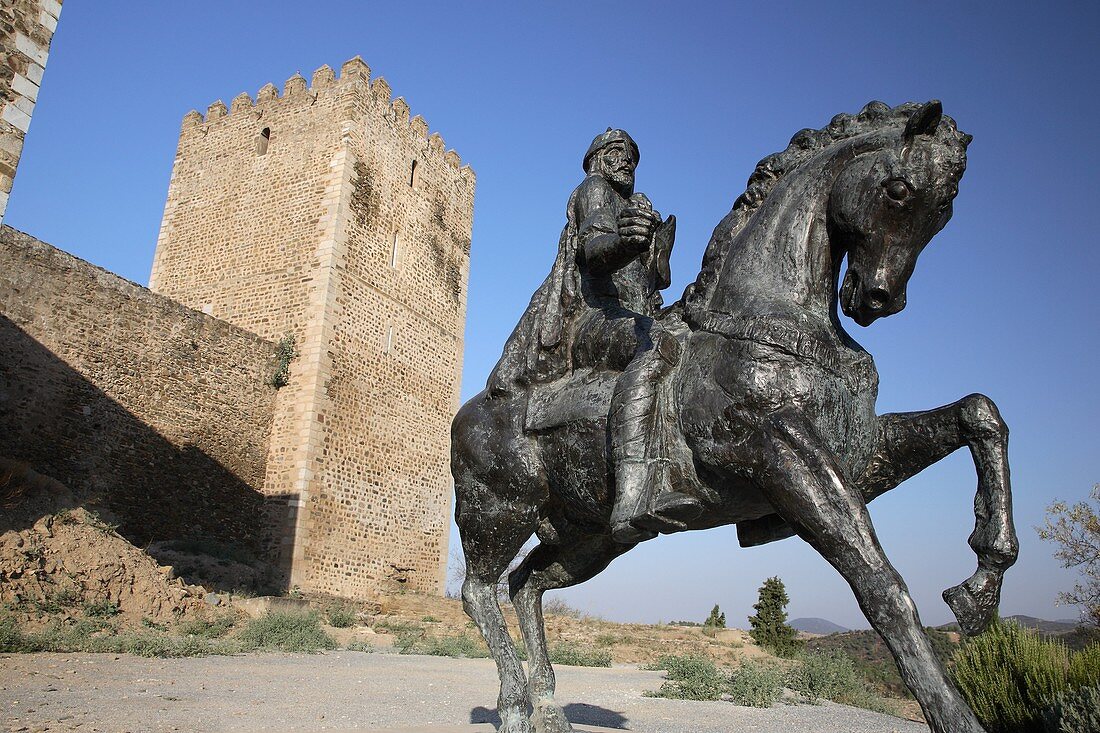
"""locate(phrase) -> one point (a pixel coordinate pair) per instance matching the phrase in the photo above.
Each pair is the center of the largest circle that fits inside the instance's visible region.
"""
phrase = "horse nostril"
(876, 298)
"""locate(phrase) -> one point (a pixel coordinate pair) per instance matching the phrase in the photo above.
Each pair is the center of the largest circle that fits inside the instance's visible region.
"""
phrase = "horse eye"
(897, 189)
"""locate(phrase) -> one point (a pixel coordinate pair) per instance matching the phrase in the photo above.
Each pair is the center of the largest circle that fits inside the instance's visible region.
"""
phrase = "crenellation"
(323, 78)
(354, 68)
(380, 90)
(420, 127)
(268, 93)
(240, 102)
(192, 119)
(401, 111)
(435, 142)
(216, 111)
(295, 86)
(452, 159)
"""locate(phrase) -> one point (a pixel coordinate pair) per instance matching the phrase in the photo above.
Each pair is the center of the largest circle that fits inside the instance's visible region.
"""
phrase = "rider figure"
(597, 309)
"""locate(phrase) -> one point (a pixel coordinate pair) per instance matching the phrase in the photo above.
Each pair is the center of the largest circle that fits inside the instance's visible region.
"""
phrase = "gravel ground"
(358, 691)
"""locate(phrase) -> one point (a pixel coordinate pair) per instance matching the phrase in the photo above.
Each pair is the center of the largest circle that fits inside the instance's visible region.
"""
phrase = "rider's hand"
(636, 227)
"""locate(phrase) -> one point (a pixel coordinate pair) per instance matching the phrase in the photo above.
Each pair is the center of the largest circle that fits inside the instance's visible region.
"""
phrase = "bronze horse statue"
(773, 419)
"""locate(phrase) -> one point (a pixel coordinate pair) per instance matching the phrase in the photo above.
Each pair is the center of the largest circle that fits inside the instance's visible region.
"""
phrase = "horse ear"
(924, 121)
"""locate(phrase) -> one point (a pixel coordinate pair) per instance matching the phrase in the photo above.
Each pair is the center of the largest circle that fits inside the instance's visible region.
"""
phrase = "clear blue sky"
(1004, 301)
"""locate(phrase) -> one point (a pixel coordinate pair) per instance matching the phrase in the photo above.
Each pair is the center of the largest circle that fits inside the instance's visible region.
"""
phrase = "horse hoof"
(550, 719)
(974, 601)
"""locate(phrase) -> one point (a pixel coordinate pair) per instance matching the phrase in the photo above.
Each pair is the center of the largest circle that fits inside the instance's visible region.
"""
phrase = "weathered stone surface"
(304, 215)
(149, 409)
(28, 27)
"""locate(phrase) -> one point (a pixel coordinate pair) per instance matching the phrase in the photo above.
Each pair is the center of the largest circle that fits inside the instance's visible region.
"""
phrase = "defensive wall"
(139, 405)
(26, 29)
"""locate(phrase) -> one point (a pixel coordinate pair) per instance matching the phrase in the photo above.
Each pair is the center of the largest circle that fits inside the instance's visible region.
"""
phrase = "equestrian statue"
(611, 419)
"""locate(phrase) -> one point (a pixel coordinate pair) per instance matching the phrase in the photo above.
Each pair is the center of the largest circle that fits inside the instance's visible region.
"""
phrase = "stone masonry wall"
(153, 411)
(281, 217)
(26, 29)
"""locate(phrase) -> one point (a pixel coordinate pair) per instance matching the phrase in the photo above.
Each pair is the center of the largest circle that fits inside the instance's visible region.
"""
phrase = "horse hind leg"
(910, 442)
(549, 567)
(492, 535)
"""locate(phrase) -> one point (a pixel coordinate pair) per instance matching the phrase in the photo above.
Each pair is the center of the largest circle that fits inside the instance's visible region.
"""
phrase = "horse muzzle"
(864, 302)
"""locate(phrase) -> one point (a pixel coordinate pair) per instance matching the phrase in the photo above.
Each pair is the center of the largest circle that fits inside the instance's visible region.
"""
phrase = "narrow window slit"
(262, 141)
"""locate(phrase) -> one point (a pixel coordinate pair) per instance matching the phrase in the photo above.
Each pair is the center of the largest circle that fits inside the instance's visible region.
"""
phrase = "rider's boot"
(645, 503)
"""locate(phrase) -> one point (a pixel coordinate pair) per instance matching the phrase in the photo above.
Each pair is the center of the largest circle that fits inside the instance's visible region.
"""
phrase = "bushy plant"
(340, 615)
(756, 684)
(1076, 711)
(690, 677)
(288, 632)
(458, 645)
(826, 676)
(578, 655)
(1084, 667)
(208, 628)
(12, 640)
(1007, 674)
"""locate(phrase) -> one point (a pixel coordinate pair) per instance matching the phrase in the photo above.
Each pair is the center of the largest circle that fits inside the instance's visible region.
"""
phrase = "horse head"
(885, 206)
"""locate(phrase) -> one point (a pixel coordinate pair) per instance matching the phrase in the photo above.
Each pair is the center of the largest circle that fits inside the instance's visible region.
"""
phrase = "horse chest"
(837, 396)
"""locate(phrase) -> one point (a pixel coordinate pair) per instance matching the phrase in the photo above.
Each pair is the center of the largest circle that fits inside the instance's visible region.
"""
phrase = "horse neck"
(782, 257)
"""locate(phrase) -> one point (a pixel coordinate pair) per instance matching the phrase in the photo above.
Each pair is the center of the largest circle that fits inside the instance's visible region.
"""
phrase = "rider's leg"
(640, 471)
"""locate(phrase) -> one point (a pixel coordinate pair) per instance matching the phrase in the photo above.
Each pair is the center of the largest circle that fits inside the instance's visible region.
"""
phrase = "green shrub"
(756, 684)
(459, 645)
(360, 646)
(690, 677)
(341, 616)
(1073, 712)
(288, 632)
(1007, 674)
(578, 656)
(1084, 667)
(826, 676)
(285, 352)
(205, 628)
(12, 639)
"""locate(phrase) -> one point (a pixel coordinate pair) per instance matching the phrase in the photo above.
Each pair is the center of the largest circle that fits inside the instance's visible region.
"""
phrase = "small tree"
(716, 619)
(769, 625)
(1077, 530)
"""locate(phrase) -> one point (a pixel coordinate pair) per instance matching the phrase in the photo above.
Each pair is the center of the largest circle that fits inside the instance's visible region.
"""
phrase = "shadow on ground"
(577, 712)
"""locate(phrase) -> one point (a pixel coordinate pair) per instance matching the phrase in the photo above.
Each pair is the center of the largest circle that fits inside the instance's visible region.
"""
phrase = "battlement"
(354, 77)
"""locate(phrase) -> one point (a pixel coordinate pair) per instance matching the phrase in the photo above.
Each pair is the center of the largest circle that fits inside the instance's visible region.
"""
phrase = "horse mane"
(805, 144)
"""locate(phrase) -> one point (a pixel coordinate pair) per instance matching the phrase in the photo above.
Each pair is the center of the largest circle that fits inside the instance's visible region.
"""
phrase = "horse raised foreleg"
(908, 442)
(548, 567)
(804, 484)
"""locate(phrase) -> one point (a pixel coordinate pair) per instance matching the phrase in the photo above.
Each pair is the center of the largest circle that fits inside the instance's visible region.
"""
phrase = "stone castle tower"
(327, 216)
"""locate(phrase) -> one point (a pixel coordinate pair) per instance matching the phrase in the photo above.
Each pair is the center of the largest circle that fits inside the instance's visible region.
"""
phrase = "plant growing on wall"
(285, 352)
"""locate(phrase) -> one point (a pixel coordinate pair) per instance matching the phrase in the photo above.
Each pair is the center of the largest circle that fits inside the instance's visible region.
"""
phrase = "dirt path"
(357, 691)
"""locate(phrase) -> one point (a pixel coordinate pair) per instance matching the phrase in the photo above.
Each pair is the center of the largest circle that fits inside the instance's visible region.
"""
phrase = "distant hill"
(816, 626)
(1030, 622)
